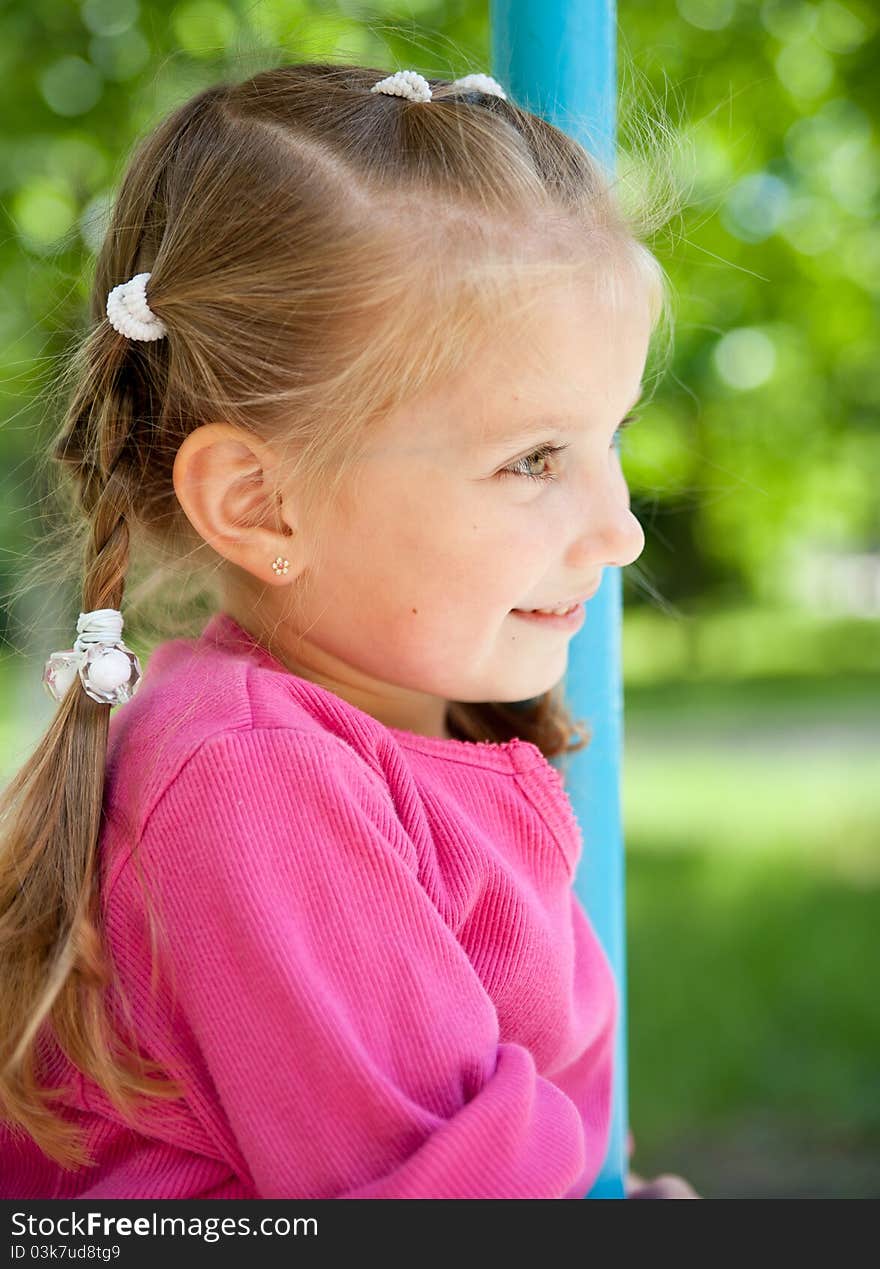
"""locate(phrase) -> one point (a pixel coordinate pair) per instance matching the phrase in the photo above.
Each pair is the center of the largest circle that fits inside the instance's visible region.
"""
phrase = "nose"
(609, 532)
(625, 539)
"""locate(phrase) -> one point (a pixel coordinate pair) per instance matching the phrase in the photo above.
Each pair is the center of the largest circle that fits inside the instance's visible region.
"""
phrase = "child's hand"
(662, 1187)
(665, 1186)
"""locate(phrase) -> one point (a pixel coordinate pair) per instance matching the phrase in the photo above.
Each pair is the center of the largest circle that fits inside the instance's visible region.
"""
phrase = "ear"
(224, 479)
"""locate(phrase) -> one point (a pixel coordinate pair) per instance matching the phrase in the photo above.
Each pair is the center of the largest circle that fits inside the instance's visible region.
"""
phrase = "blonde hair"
(317, 252)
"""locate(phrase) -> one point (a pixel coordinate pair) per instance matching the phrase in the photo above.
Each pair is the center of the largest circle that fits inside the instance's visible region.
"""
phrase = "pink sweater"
(375, 978)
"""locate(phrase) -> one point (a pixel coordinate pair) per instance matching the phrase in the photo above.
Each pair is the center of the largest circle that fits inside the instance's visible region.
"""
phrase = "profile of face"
(451, 521)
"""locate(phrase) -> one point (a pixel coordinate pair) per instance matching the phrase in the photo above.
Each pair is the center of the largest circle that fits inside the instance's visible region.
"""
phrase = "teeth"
(555, 612)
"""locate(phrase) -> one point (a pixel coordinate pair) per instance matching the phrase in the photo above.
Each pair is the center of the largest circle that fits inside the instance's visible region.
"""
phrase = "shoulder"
(206, 713)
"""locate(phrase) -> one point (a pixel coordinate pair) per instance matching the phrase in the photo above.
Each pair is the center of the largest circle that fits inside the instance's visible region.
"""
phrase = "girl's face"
(445, 526)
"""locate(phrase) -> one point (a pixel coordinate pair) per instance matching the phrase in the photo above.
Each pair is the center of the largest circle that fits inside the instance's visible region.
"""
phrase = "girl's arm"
(351, 1043)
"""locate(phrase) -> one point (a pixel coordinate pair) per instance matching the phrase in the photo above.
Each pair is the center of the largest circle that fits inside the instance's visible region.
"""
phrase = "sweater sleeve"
(354, 1048)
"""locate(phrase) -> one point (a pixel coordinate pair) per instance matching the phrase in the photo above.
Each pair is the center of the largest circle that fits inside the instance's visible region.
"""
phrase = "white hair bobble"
(129, 312)
(482, 84)
(409, 83)
(404, 83)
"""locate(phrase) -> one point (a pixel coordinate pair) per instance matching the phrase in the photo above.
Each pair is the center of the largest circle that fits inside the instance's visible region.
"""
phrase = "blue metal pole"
(558, 58)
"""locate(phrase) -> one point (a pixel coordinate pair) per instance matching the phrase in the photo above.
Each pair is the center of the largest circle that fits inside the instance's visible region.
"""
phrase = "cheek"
(482, 560)
(393, 554)
(537, 528)
(378, 531)
(412, 528)
(454, 551)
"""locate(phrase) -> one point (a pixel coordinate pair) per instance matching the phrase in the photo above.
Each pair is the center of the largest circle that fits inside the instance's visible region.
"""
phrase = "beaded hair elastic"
(108, 671)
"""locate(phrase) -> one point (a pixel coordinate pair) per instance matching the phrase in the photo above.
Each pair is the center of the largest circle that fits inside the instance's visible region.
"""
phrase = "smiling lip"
(564, 603)
(571, 622)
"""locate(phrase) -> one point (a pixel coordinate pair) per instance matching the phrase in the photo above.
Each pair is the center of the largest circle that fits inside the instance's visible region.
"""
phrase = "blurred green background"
(751, 638)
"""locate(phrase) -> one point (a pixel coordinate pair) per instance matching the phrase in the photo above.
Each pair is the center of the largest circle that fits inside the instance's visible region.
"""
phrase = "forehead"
(511, 430)
(574, 365)
(572, 361)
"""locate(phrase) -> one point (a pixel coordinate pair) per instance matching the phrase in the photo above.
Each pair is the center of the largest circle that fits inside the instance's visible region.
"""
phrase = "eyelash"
(546, 451)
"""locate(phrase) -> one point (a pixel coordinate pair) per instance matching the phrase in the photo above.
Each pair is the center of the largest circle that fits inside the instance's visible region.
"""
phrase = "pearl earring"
(280, 567)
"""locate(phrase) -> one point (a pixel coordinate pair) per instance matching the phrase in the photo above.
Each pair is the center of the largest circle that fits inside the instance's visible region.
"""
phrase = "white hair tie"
(409, 83)
(404, 83)
(129, 312)
(108, 671)
(482, 84)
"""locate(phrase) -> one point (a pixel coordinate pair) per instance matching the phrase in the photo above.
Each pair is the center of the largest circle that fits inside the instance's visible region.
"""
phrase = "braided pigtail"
(54, 970)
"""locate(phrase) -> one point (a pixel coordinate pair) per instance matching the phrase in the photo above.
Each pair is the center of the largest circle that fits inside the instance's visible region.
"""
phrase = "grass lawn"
(752, 821)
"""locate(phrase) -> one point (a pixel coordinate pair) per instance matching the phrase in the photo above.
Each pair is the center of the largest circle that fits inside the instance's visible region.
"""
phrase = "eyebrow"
(532, 426)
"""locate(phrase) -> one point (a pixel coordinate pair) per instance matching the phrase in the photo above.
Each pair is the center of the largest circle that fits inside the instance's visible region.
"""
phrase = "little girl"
(298, 921)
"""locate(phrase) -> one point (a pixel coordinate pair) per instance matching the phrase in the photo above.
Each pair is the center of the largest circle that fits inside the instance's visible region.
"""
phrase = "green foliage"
(754, 642)
(764, 437)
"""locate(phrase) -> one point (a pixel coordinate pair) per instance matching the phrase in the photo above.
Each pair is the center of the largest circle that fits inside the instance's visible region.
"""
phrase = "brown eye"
(537, 456)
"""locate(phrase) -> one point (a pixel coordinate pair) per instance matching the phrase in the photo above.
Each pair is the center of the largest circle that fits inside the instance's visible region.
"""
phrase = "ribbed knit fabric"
(374, 977)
